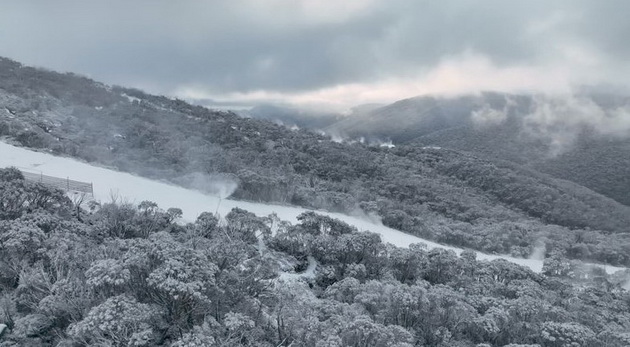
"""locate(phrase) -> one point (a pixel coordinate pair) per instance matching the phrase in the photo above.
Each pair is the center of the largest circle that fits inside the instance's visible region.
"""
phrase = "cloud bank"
(560, 119)
(564, 119)
(309, 51)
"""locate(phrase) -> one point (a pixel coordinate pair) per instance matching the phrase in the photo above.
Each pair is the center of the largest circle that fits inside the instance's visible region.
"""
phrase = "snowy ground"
(134, 189)
(309, 273)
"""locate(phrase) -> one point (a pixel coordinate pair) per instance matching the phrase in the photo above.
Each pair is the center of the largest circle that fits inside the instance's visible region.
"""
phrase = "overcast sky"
(340, 53)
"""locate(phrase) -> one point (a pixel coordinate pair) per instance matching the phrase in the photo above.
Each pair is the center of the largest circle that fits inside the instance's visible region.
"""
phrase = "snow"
(130, 98)
(134, 189)
(308, 273)
(387, 144)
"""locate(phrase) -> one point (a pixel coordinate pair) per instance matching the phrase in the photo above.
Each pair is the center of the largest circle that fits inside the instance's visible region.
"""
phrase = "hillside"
(405, 120)
(446, 196)
(566, 137)
(123, 187)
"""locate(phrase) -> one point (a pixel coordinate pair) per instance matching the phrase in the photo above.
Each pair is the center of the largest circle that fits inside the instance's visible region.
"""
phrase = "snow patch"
(387, 144)
(130, 98)
(309, 273)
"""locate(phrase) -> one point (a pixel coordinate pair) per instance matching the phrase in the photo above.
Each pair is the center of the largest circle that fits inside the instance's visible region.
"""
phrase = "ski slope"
(130, 188)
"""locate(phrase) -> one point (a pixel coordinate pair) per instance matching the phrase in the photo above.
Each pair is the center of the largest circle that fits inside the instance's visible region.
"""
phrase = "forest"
(444, 195)
(538, 131)
(116, 274)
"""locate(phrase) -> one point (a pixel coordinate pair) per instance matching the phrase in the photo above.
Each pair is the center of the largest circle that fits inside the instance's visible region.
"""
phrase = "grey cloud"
(234, 46)
(605, 25)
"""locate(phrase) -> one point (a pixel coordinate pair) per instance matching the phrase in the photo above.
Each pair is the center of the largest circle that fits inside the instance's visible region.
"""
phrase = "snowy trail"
(134, 189)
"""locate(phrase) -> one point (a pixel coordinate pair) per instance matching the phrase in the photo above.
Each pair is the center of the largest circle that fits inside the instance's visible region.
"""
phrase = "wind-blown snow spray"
(219, 185)
(538, 253)
(223, 188)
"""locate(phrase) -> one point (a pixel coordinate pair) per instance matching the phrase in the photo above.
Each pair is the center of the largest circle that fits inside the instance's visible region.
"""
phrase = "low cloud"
(488, 116)
(562, 120)
(313, 52)
(457, 75)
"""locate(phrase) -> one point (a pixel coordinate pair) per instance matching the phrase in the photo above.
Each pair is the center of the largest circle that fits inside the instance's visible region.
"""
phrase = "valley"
(202, 221)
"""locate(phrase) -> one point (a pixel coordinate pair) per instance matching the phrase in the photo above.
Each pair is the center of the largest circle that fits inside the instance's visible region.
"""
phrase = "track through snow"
(134, 189)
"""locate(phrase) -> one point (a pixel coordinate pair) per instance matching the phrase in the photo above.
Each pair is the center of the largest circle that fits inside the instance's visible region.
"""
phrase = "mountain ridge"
(552, 135)
(444, 196)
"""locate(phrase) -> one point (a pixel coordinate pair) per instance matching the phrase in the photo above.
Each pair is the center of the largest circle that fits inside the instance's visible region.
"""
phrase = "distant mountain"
(569, 138)
(292, 116)
(404, 120)
(451, 196)
(305, 117)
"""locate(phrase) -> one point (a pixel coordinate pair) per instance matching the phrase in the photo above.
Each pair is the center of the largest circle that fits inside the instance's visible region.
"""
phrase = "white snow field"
(134, 189)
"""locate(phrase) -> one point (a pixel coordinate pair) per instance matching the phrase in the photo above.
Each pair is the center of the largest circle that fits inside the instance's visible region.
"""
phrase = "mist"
(559, 120)
(562, 120)
(538, 253)
(220, 185)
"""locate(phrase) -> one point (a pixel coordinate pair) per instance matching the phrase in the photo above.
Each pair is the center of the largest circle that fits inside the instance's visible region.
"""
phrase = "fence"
(61, 183)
